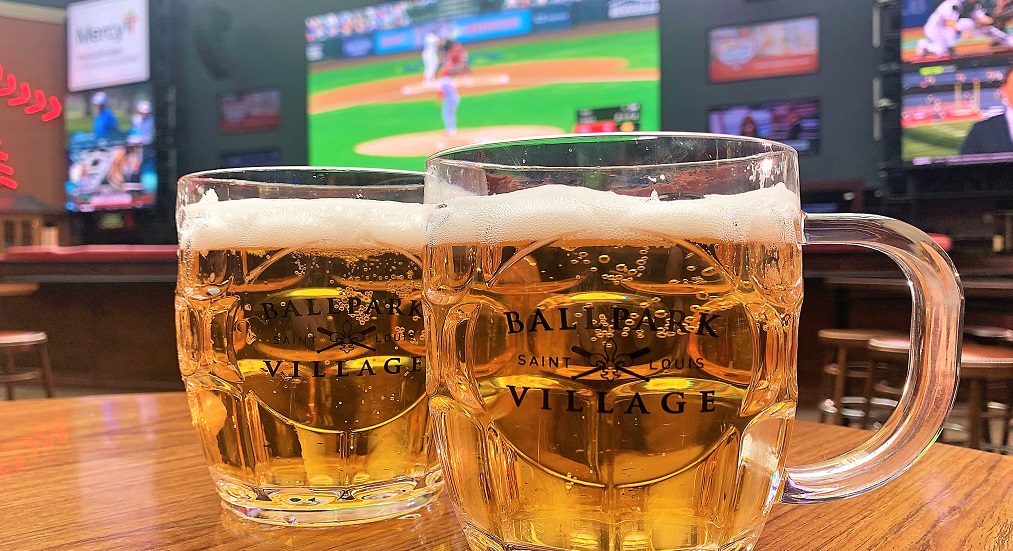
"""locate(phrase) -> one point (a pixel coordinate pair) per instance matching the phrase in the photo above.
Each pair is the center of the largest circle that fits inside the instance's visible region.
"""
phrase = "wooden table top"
(125, 472)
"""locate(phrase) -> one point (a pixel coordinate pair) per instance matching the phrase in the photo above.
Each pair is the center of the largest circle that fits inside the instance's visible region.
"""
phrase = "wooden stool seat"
(21, 338)
(22, 342)
(980, 364)
(987, 335)
(890, 347)
(850, 337)
(17, 289)
(846, 359)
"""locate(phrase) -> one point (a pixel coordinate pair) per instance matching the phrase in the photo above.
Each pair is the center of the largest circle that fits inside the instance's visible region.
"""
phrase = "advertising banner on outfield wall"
(487, 27)
(357, 46)
(622, 9)
(409, 38)
(552, 18)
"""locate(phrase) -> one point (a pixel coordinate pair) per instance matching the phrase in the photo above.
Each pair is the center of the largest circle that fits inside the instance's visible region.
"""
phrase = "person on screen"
(455, 59)
(1001, 17)
(105, 123)
(450, 99)
(995, 134)
(430, 59)
(142, 124)
(942, 30)
(794, 125)
(748, 128)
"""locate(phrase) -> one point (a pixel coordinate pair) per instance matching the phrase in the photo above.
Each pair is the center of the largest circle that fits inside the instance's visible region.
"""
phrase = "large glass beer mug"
(613, 336)
(302, 342)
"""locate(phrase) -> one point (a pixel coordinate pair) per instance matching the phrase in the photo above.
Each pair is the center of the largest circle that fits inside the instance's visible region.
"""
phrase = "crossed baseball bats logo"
(609, 363)
(345, 339)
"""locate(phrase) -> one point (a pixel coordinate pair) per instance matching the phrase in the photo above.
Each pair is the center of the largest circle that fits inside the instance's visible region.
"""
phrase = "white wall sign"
(107, 43)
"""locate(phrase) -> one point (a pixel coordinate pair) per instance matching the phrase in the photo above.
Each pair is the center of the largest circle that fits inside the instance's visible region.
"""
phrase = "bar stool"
(14, 344)
(888, 356)
(983, 368)
(847, 359)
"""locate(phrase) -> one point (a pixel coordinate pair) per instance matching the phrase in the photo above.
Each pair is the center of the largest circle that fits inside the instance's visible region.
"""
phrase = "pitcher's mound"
(423, 144)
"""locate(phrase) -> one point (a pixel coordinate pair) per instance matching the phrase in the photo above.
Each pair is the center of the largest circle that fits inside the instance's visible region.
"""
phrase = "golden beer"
(617, 373)
(302, 345)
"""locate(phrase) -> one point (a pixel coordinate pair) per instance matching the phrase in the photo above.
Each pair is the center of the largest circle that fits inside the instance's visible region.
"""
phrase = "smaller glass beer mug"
(614, 326)
(302, 342)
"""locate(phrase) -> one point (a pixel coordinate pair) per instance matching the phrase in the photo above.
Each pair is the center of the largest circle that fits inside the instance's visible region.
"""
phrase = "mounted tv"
(793, 122)
(762, 50)
(109, 115)
(392, 83)
(955, 115)
(937, 31)
(111, 151)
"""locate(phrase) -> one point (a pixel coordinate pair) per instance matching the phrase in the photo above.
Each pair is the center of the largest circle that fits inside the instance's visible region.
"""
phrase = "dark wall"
(848, 65)
(264, 44)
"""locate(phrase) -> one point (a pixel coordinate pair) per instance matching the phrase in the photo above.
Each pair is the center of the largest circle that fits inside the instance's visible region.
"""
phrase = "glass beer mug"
(301, 341)
(613, 337)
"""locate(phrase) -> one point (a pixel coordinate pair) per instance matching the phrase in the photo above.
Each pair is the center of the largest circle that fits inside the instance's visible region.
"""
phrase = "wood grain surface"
(125, 473)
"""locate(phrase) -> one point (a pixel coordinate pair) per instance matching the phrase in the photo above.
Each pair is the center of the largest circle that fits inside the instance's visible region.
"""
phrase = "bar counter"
(126, 472)
(101, 305)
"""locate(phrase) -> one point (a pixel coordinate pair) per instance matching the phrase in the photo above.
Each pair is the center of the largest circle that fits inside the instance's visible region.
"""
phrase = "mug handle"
(931, 384)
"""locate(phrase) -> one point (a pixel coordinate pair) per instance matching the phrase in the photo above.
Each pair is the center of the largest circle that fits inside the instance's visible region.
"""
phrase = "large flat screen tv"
(110, 145)
(945, 30)
(956, 115)
(393, 83)
(792, 122)
(762, 50)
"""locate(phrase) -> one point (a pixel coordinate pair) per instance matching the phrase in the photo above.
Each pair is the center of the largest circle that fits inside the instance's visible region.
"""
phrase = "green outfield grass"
(334, 134)
(75, 119)
(640, 48)
(938, 140)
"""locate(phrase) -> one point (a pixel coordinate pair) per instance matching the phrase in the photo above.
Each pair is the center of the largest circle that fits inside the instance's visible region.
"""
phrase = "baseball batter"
(455, 62)
(430, 58)
(451, 99)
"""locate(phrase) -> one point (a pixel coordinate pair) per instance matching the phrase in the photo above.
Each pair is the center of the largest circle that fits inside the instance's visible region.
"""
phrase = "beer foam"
(211, 224)
(771, 214)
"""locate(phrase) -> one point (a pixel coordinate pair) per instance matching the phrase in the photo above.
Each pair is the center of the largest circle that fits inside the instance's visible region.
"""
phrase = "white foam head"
(337, 223)
(767, 215)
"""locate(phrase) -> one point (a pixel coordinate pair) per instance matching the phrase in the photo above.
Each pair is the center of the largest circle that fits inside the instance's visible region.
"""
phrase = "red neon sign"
(25, 95)
(6, 172)
(38, 104)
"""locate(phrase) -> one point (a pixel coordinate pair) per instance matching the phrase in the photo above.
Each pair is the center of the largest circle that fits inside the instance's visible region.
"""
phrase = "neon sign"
(34, 103)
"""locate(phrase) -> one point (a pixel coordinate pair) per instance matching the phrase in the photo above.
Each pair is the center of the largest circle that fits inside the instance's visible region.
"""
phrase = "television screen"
(110, 137)
(622, 118)
(107, 43)
(254, 157)
(943, 30)
(772, 49)
(953, 115)
(393, 83)
(250, 111)
(792, 122)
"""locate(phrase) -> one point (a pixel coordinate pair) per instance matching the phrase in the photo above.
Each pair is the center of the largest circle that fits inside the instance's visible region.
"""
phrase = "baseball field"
(935, 140)
(376, 112)
(973, 46)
